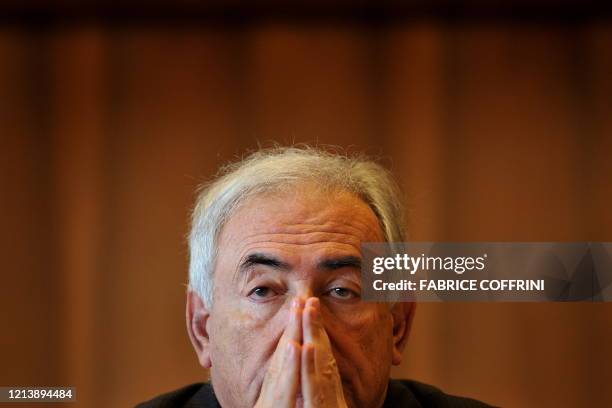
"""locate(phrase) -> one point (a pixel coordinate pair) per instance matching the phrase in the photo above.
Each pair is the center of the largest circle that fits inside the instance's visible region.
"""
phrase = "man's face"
(299, 244)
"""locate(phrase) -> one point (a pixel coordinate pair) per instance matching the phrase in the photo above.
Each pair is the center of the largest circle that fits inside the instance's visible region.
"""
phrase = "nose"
(303, 292)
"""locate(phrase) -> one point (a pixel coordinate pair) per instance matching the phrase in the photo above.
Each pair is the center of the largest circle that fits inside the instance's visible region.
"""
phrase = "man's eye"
(261, 292)
(343, 293)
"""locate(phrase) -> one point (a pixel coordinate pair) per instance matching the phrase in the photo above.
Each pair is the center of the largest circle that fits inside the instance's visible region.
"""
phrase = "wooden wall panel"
(495, 131)
(29, 292)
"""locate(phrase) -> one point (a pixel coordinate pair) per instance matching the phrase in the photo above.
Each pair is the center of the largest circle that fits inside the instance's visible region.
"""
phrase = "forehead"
(300, 215)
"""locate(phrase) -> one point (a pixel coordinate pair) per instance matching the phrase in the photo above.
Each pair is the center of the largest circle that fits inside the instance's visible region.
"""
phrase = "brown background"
(495, 120)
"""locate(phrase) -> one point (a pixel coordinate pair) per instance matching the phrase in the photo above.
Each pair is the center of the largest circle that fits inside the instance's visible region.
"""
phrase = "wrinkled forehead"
(301, 209)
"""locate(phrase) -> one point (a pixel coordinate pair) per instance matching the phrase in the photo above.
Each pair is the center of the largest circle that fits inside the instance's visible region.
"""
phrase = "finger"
(309, 377)
(293, 331)
(282, 378)
(289, 347)
(280, 385)
(311, 321)
(287, 386)
(281, 381)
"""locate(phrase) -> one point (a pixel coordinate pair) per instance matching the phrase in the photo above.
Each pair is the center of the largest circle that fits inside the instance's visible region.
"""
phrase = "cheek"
(363, 320)
(242, 344)
(362, 336)
(245, 335)
(362, 343)
(238, 326)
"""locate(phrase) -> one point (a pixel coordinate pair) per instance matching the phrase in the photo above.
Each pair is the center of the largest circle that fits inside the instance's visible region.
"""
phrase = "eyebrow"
(341, 262)
(262, 259)
(326, 264)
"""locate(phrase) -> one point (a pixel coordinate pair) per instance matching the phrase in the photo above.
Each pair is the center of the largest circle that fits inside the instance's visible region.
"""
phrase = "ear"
(402, 314)
(197, 316)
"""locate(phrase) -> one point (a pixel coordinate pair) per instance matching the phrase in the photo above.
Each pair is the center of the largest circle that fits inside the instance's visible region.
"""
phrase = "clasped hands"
(303, 363)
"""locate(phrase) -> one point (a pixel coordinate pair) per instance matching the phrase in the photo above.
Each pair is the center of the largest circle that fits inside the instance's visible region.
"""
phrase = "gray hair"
(281, 167)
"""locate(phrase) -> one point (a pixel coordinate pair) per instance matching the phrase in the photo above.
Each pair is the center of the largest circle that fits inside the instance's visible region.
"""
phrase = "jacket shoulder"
(429, 396)
(182, 397)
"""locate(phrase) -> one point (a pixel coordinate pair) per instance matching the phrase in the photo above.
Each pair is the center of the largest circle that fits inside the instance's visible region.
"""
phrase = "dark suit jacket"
(401, 393)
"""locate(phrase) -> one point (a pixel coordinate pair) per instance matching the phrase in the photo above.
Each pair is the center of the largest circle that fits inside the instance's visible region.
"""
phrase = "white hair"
(276, 168)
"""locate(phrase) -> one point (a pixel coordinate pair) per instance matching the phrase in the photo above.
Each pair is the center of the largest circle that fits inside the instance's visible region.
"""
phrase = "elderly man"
(274, 307)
